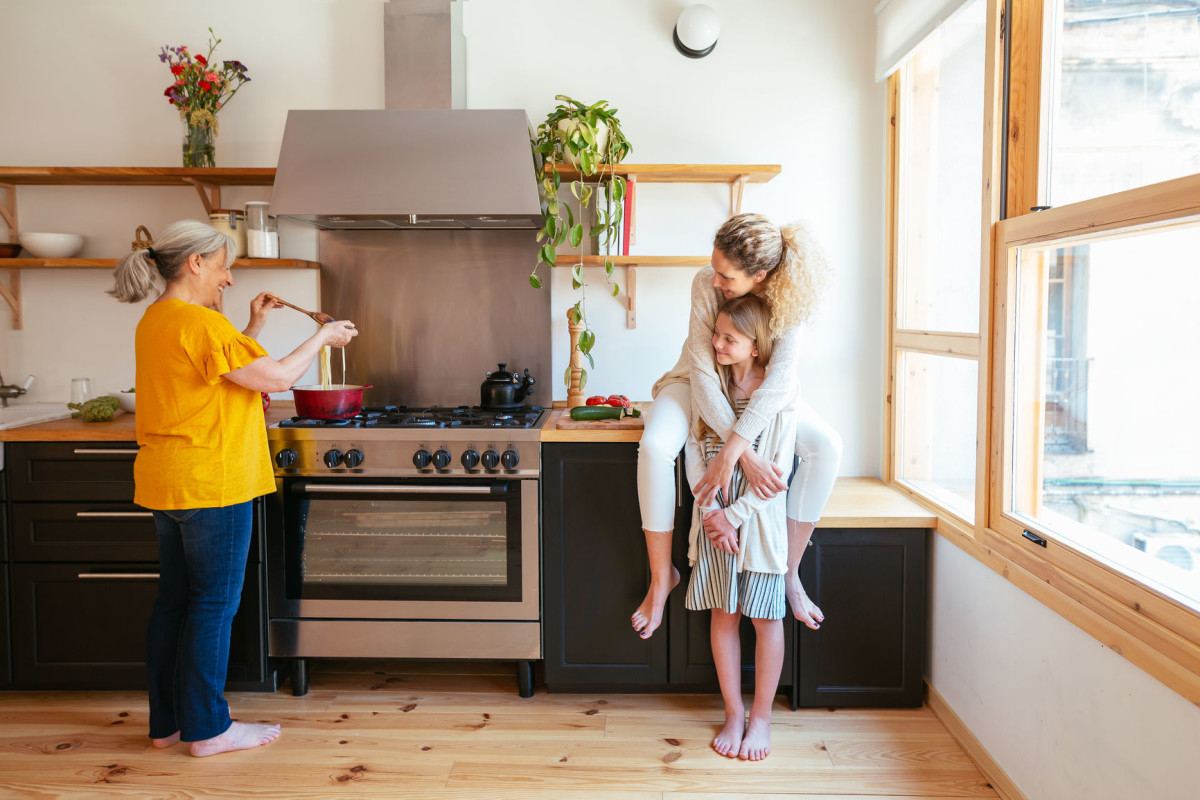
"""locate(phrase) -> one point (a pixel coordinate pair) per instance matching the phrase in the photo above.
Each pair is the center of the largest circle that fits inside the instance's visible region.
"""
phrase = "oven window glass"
(406, 542)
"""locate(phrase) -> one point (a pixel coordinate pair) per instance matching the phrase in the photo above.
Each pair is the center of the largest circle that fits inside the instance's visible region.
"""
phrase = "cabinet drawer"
(70, 470)
(83, 532)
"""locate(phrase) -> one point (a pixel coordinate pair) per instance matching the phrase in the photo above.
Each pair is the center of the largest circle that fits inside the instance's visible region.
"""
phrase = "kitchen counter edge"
(120, 429)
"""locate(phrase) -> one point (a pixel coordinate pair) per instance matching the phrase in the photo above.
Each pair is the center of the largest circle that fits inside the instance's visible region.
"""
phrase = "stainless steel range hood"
(407, 169)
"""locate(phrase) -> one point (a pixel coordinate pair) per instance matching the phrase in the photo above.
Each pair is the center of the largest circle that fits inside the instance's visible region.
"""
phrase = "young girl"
(739, 549)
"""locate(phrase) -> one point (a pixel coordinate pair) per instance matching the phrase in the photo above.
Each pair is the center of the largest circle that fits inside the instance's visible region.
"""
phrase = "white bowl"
(52, 245)
(127, 400)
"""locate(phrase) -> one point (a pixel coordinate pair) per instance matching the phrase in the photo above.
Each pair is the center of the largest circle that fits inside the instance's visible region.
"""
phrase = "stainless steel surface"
(423, 49)
(317, 638)
(112, 576)
(374, 169)
(389, 453)
(436, 311)
(105, 451)
(114, 514)
(344, 488)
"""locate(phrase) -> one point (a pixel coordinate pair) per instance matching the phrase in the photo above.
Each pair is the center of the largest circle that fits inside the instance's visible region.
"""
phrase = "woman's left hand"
(718, 530)
(260, 306)
(718, 475)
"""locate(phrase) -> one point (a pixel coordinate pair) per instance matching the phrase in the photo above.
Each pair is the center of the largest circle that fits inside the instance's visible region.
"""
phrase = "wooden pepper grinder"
(574, 390)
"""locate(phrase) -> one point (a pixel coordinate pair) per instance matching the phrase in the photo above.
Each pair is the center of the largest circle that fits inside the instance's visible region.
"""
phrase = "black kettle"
(504, 390)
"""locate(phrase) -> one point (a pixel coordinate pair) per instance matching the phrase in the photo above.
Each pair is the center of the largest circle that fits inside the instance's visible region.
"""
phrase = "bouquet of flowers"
(200, 90)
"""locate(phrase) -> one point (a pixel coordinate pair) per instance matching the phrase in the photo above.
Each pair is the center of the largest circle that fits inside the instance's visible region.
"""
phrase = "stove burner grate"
(391, 416)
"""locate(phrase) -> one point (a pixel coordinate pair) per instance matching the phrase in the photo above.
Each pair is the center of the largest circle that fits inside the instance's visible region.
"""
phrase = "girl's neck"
(746, 376)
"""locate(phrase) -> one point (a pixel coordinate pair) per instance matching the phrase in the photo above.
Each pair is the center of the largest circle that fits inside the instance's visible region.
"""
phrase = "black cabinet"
(869, 652)
(84, 573)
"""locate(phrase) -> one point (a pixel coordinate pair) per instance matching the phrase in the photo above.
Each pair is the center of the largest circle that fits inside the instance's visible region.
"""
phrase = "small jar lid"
(225, 212)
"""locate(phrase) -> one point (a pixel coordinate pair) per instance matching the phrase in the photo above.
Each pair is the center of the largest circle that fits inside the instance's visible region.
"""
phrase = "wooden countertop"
(119, 429)
(552, 433)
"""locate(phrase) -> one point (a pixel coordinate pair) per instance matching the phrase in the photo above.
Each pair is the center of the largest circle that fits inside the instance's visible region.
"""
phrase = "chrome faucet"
(7, 391)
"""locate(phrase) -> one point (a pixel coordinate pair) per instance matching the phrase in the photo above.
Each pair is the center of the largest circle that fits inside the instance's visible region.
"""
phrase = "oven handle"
(313, 488)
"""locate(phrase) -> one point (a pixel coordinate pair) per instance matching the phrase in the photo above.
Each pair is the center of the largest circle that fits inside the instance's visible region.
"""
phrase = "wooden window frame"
(1155, 631)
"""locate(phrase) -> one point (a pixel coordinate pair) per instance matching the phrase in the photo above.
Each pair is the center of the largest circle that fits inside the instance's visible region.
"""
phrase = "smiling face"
(731, 280)
(731, 345)
(213, 278)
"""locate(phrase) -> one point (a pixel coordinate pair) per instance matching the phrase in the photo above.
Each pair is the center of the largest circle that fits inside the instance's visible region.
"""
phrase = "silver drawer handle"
(397, 489)
(114, 514)
(113, 576)
(83, 451)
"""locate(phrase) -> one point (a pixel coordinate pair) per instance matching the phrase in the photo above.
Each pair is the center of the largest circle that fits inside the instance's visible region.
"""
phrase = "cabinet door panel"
(83, 532)
(71, 471)
(595, 569)
(5, 672)
(870, 649)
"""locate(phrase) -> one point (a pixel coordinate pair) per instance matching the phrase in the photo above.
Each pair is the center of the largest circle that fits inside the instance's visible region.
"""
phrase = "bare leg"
(663, 578)
(768, 663)
(802, 607)
(167, 742)
(727, 655)
(238, 736)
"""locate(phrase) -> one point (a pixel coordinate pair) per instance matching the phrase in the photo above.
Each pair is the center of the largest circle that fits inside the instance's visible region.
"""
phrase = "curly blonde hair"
(797, 269)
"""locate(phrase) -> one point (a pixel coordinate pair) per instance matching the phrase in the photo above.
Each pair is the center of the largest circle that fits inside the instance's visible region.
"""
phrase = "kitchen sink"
(17, 414)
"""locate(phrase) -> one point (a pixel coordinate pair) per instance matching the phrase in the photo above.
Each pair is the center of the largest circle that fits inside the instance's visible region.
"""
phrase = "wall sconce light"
(696, 31)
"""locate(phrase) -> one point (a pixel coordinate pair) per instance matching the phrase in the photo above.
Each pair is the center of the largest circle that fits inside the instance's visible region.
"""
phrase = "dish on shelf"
(52, 245)
(9, 249)
(127, 401)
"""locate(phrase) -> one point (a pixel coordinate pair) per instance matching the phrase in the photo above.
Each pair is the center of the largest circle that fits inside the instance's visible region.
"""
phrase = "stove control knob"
(509, 459)
(285, 458)
(441, 459)
(352, 458)
(421, 459)
(490, 459)
(333, 458)
(470, 458)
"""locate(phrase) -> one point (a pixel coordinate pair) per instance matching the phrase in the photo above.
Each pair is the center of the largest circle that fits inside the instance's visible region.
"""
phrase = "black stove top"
(426, 417)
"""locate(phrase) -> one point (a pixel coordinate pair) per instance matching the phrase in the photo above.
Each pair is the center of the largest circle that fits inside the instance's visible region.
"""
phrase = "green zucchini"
(596, 412)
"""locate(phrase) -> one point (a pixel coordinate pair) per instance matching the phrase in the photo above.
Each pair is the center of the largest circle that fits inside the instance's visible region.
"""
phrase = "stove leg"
(299, 677)
(525, 678)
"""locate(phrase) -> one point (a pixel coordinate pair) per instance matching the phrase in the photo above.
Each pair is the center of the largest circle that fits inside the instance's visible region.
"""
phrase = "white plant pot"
(569, 125)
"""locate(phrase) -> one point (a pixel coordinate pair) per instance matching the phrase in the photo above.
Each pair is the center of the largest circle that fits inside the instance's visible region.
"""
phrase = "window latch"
(1033, 537)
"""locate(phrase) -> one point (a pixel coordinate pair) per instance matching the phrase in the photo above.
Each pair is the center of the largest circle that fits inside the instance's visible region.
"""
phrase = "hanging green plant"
(590, 139)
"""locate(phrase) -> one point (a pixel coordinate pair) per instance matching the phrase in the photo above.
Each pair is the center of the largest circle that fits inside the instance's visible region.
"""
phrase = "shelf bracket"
(210, 200)
(8, 209)
(12, 295)
(631, 194)
(631, 297)
(735, 194)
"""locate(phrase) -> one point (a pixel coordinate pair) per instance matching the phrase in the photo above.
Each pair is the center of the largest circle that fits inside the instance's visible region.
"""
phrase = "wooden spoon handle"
(319, 316)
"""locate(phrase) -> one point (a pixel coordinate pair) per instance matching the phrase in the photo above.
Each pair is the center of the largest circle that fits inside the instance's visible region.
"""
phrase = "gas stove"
(406, 441)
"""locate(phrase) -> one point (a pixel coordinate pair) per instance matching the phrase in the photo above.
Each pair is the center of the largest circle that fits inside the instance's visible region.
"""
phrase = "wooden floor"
(367, 730)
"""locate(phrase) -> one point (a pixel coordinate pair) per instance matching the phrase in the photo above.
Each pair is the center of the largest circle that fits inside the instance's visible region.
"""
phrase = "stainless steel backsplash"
(436, 311)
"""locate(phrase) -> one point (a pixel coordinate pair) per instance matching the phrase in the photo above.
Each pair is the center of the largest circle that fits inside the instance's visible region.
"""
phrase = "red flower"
(206, 86)
(176, 69)
(202, 59)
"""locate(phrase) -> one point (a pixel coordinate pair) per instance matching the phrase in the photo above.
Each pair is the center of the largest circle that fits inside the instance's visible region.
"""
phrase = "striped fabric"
(714, 582)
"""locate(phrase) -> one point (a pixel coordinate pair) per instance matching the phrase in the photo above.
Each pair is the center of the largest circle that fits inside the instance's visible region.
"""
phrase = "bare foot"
(756, 744)
(729, 739)
(648, 616)
(803, 608)
(238, 736)
(167, 742)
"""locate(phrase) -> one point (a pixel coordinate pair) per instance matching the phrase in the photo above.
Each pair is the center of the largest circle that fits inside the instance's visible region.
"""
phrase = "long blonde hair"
(751, 317)
(797, 269)
(142, 271)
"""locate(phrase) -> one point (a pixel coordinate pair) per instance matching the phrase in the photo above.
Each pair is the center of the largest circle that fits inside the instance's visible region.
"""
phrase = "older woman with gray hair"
(202, 460)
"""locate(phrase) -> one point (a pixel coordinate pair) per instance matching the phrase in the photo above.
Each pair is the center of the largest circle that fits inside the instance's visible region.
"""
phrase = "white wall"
(1064, 715)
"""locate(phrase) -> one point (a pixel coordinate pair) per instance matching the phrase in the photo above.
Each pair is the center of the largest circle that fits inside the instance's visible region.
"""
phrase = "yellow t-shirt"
(203, 439)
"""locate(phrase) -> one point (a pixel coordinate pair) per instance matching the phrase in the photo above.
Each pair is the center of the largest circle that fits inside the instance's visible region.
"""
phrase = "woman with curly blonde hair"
(787, 268)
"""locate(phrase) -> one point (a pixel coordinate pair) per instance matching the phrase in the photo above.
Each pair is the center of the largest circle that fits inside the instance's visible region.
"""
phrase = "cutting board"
(623, 424)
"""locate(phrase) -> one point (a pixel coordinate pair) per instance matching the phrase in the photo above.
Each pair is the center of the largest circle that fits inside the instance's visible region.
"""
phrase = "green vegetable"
(98, 409)
(596, 412)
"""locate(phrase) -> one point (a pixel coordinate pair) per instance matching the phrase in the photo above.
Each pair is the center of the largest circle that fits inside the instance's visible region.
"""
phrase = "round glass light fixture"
(696, 31)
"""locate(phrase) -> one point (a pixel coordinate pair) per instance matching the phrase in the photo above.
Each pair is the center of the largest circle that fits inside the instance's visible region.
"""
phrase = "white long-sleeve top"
(697, 365)
(761, 524)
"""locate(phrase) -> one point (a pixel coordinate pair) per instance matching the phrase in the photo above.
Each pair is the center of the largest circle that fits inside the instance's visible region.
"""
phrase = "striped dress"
(715, 581)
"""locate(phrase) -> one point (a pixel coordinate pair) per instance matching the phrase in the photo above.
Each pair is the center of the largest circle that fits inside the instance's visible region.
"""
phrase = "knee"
(657, 450)
(822, 442)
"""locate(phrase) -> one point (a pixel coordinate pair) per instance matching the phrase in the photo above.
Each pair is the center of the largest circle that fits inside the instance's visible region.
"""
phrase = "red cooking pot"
(340, 401)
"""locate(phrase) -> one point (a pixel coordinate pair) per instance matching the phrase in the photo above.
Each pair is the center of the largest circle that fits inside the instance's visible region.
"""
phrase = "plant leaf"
(591, 361)
(534, 280)
(608, 267)
(547, 254)
(587, 340)
(577, 275)
(567, 378)
(582, 379)
(576, 235)
(615, 290)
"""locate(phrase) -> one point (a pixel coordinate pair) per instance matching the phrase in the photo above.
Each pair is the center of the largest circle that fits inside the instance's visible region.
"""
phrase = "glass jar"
(233, 223)
(262, 235)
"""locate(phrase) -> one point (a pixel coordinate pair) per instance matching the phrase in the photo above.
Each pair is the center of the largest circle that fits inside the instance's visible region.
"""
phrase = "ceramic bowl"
(127, 400)
(52, 245)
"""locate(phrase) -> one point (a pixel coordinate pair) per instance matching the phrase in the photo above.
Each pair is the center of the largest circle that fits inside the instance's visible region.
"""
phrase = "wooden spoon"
(320, 316)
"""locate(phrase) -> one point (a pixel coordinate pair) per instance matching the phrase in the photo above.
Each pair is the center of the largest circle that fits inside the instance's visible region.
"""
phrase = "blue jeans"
(202, 562)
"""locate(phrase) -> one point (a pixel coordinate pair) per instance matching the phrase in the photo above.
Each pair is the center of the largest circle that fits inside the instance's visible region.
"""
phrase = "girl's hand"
(723, 536)
(765, 477)
(260, 306)
(718, 476)
(339, 333)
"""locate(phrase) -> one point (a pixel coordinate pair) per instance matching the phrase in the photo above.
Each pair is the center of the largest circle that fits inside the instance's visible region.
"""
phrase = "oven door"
(432, 550)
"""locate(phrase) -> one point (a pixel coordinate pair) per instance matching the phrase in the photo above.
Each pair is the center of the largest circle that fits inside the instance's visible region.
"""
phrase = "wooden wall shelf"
(109, 263)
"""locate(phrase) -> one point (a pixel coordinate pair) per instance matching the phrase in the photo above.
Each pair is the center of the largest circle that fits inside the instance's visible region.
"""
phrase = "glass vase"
(198, 147)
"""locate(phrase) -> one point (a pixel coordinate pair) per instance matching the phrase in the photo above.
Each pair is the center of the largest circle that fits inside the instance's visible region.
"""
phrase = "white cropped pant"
(818, 446)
